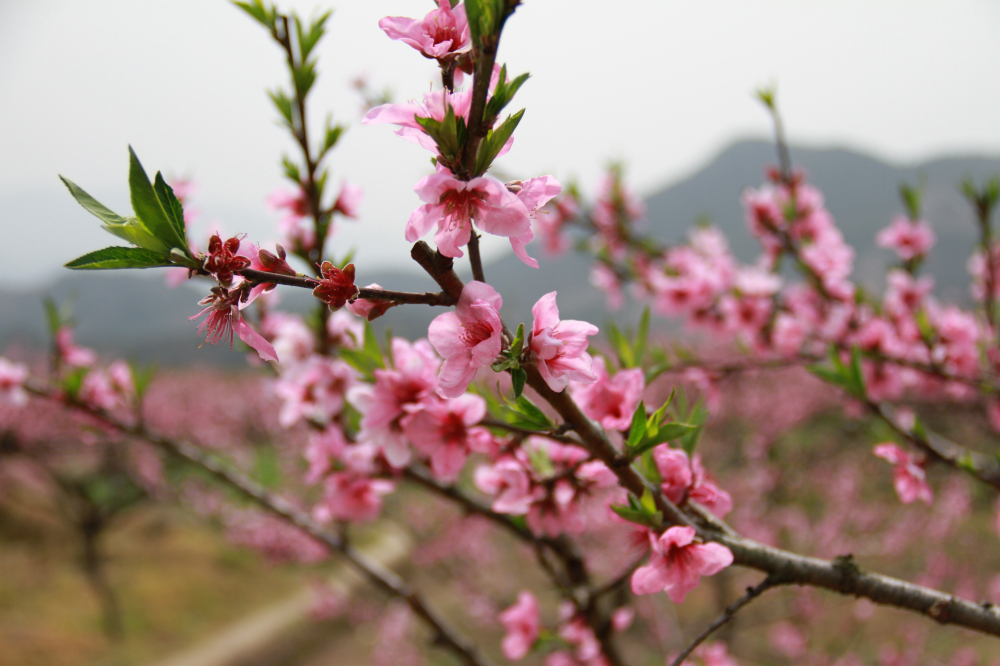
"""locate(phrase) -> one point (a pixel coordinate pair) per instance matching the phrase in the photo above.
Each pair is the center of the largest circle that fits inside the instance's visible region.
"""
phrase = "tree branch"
(980, 466)
(727, 615)
(382, 577)
(405, 297)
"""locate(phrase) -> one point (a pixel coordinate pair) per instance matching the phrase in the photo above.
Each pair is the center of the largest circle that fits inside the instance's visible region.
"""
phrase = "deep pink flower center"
(441, 29)
(474, 333)
(453, 429)
(461, 206)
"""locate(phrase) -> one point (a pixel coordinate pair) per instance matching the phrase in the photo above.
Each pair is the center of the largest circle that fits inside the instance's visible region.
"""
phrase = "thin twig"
(549, 434)
(727, 615)
(265, 277)
(406, 297)
(475, 260)
(982, 467)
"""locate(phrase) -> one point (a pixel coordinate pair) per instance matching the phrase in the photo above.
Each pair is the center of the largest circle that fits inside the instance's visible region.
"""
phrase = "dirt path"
(248, 637)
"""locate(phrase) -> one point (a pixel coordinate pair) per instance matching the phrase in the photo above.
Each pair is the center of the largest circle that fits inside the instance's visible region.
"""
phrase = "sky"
(663, 85)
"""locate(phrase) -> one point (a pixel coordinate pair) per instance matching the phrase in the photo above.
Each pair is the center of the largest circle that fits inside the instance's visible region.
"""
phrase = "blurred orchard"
(814, 482)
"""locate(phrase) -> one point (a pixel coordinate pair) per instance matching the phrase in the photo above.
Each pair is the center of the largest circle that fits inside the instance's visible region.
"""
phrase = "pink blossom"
(369, 310)
(468, 338)
(435, 105)
(314, 390)
(69, 353)
(675, 472)
(349, 200)
(443, 430)
(909, 238)
(909, 478)
(397, 394)
(677, 563)
(534, 193)
(788, 334)
(224, 318)
(981, 271)
(577, 632)
(299, 235)
(788, 640)
(452, 204)
(352, 494)
(98, 391)
(442, 34)
(351, 497)
(905, 294)
(292, 339)
(559, 213)
(12, 378)
(323, 448)
(611, 401)
(715, 654)
(508, 482)
(521, 622)
(621, 618)
(682, 479)
(345, 330)
(560, 347)
(604, 278)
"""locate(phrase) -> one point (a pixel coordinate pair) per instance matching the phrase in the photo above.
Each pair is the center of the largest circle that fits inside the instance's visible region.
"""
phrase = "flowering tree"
(580, 458)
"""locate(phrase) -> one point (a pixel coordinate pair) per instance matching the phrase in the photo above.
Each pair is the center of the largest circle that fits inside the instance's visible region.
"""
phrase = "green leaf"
(267, 469)
(172, 206)
(449, 134)
(291, 170)
(120, 257)
(53, 316)
(966, 462)
(148, 208)
(523, 413)
(477, 13)
(257, 10)
(304, 76)
(129, 229)
(504, 93)
(857, 374)
(641, 338)
(368, 358)
(284, 105)
(674, 430)
(142, 375)
(620, 344)
(308, 40)
(333, 133)
(136, 233)
(637, 431)
(517, 378)
(494, 142)
(697, 416)
(642, 512)
(91, 204)
(911, 200)
(517, 346)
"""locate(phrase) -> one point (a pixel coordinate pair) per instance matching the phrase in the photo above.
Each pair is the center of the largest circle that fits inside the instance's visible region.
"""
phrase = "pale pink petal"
(255, 340)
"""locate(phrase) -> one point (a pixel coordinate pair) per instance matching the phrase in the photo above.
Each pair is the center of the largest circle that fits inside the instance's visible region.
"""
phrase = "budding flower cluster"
(337, 287)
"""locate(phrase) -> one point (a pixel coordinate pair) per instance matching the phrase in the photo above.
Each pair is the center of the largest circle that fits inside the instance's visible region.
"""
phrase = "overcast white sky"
(663, 84)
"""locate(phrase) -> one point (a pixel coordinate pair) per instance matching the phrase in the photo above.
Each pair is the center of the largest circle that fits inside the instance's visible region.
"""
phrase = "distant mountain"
(861, 192)
(139, 317)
